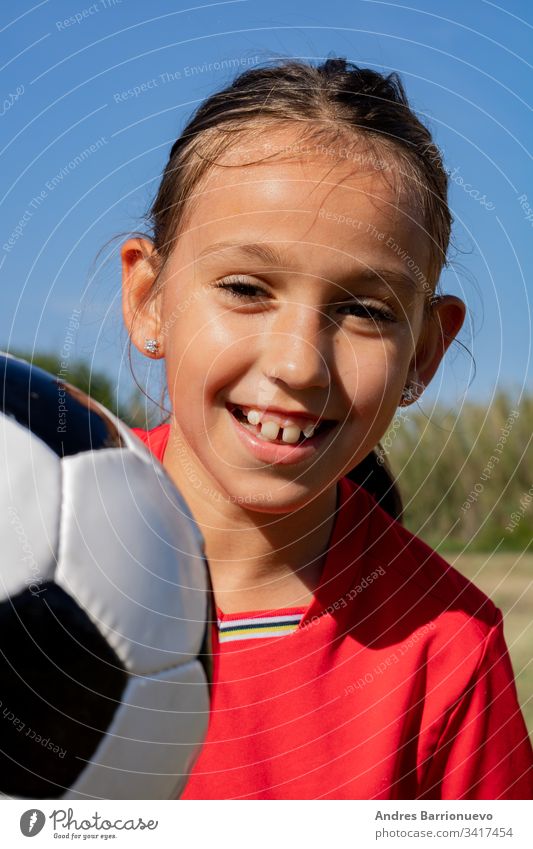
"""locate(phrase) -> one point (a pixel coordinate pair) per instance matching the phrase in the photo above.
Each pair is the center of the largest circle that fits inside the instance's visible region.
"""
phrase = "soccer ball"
(104, 672)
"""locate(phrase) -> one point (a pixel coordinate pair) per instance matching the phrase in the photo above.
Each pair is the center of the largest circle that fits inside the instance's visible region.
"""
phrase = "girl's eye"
(362, 309)
(239, 288)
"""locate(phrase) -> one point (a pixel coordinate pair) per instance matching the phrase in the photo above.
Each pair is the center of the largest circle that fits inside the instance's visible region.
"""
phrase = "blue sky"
(467, 68)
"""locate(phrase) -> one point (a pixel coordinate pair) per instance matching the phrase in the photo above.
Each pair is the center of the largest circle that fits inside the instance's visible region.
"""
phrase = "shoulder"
(155, 439)
(420, 580)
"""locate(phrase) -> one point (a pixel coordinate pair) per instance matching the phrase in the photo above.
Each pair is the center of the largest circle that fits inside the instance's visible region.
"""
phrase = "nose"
(295, 348)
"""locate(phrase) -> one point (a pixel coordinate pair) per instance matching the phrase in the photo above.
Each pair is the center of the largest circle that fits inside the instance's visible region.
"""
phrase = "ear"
(441, 326)
(140, 305)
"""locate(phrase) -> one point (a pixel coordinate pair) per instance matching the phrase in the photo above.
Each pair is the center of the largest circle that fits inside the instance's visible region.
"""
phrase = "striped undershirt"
(258, 626)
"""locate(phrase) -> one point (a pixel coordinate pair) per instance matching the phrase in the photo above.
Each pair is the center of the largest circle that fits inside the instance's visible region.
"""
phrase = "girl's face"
(296, 293)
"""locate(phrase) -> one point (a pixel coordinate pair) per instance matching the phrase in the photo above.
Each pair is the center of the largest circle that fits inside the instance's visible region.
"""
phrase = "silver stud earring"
(412, 391)
(151, 346)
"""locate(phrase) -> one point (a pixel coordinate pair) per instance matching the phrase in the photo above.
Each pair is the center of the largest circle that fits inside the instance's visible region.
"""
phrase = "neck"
(257, 560)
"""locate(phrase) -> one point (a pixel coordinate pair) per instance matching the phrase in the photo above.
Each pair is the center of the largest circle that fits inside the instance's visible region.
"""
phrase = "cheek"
(203, 355)
(372, 371)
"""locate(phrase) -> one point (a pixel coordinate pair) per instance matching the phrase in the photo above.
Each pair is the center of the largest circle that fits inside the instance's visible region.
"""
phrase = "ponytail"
(376, 477)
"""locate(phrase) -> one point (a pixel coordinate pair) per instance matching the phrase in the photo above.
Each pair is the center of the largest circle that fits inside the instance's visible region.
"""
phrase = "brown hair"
(335, 101)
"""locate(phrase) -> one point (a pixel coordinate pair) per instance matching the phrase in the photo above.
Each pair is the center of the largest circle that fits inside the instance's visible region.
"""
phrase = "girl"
(290, 285)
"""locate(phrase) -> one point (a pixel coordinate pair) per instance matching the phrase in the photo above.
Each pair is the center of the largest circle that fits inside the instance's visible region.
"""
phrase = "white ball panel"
(154, 738)
(138, 447)
(145, 566)
(30, 509)
(126, 434)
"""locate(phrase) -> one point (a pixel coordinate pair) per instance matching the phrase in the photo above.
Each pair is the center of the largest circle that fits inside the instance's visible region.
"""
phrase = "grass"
(508, 580)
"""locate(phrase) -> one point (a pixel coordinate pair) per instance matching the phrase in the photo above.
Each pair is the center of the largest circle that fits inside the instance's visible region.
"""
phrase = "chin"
(278, 498)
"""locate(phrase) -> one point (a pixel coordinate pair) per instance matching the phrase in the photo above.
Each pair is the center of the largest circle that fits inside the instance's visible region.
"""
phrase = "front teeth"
(270, 430)
(291, 434)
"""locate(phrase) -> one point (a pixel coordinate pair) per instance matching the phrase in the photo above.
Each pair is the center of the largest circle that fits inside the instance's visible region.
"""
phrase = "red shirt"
(396, 684)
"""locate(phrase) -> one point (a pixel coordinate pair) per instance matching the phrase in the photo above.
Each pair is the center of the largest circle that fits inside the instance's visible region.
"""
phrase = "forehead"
(308, 198)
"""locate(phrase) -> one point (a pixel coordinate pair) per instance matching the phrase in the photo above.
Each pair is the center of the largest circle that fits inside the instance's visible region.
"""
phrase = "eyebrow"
(255, 250)
(270, 256)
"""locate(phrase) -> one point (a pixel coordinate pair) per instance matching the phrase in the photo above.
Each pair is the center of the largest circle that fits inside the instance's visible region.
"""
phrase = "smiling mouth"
(272, 432)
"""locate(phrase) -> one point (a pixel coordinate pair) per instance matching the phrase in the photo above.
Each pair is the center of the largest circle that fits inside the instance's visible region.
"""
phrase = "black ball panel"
(63, 417)
(60, 685)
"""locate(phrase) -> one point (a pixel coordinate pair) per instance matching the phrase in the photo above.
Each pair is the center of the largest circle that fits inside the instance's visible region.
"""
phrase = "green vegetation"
(466, 478)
